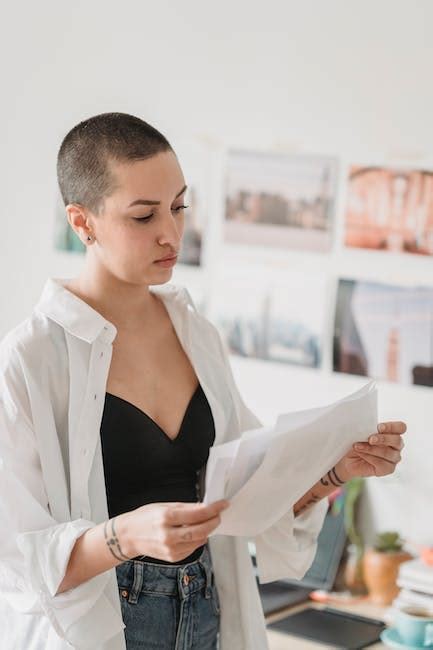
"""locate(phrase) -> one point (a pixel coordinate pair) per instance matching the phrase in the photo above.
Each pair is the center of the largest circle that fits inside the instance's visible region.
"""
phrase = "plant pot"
(380, 574)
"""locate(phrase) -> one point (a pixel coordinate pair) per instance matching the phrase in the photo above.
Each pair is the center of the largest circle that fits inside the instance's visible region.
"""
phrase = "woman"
(111, 395)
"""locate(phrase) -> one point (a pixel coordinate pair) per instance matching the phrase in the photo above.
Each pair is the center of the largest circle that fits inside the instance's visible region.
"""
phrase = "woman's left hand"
(377, 457)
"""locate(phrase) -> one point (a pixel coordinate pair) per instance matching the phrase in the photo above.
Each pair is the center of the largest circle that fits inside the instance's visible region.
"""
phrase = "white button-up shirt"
(53, 374)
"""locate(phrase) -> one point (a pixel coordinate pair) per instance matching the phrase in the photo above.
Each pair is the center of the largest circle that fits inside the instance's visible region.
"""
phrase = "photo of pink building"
(390, 209)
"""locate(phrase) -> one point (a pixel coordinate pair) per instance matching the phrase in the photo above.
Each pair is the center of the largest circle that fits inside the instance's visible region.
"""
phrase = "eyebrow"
(150, 202)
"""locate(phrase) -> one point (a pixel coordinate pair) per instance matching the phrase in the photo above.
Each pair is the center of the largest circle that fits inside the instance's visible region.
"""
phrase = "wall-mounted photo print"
(282, 322)
(195, 159)
(390, 209)
(385, 332)
(65, 238)
(238, 310)
(191, 245)
(296, 320)
(280, 200)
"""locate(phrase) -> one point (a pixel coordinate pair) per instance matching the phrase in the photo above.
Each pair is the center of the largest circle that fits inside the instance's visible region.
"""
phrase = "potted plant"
(381, 565)
(353, 571)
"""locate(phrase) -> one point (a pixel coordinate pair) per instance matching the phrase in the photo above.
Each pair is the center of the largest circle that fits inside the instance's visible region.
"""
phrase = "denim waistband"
(136, 576)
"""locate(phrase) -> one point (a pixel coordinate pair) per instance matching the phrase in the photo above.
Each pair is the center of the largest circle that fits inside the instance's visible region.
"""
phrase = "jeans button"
(124, 593)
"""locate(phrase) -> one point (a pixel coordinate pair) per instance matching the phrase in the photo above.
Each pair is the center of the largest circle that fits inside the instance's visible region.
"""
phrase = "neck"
(124, 304)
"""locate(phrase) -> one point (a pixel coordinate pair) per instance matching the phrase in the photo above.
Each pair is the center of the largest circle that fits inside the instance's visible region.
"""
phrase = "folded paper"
(267, 470)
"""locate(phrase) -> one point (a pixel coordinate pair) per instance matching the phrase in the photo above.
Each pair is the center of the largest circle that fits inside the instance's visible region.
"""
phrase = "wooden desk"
(279, 641)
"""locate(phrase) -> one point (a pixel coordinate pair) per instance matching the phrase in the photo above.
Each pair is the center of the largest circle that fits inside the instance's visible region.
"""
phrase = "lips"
(164, 259)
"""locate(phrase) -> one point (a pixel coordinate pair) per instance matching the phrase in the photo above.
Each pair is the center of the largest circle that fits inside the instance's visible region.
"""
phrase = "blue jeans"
(169, 607)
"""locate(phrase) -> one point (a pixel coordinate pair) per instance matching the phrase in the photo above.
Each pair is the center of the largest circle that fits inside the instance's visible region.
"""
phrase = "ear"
(79, 221)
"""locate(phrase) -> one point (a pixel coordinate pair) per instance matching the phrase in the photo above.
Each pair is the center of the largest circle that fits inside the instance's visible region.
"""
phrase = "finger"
(189, 547)
(387, 453)
(182, 550)
(380, 466)
(387, 439)
(193, 513)
(193, 533)
(195, 544)
(392, 427)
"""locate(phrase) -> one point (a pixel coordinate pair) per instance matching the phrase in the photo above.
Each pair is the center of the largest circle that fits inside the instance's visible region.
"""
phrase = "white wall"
(333, 76)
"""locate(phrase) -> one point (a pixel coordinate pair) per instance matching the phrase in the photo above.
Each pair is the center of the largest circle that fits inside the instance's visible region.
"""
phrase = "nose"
(171, 232)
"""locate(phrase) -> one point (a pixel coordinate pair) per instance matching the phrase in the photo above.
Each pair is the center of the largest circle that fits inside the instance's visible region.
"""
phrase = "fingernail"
(359, 445)
(374, 439)
(381, 428)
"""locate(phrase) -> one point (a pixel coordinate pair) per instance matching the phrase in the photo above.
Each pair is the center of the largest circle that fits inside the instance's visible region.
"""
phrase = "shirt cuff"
(287, 549)
(72, 613)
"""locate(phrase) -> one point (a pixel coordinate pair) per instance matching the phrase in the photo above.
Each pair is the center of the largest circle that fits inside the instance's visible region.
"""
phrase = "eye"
(143, 218)
(181, 207)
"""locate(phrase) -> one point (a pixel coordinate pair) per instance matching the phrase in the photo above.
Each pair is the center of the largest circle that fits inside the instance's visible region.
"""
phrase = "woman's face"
(142, 220)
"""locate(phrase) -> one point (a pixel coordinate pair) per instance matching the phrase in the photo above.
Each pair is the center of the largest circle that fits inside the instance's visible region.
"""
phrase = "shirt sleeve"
(34, 547)
(287, 548)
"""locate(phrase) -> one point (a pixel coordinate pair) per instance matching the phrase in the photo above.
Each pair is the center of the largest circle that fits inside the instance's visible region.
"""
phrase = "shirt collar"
(80, 319)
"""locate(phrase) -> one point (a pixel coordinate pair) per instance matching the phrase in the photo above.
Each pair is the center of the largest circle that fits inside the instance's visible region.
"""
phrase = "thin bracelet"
(113, 541)
(117, 540)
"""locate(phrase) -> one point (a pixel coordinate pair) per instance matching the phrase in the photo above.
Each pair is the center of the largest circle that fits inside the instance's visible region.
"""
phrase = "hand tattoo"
(113, 541)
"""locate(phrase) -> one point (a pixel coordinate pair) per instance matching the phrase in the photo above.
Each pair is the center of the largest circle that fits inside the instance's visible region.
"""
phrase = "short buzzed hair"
(83, 161)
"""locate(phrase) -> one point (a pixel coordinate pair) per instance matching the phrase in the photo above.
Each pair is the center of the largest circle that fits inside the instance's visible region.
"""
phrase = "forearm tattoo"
(313, 499)
(113, 542)
(332, 478)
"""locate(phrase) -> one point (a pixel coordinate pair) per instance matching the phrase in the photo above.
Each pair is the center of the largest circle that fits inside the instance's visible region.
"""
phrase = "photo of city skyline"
(390, 209)
(384, 331)
(280, 200)
(282, 322)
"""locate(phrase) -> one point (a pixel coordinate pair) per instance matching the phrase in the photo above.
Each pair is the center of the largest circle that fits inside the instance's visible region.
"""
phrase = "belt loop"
(137, 582)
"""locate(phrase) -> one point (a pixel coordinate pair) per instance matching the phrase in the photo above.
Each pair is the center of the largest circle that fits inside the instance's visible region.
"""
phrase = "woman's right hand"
(168, 531)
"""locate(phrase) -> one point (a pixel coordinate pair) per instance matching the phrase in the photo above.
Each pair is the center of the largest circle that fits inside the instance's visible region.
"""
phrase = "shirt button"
(101, 355)
(94, 397)
(85, 452)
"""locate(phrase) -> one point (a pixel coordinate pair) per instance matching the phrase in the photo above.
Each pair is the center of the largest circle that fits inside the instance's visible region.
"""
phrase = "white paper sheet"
(266, 471)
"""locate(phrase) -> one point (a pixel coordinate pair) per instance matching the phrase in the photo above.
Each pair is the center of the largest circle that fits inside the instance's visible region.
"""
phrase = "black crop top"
(143, 465)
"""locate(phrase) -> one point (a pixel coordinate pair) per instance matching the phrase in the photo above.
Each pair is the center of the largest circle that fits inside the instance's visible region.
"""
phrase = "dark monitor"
(330, 548)
(323, 571)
